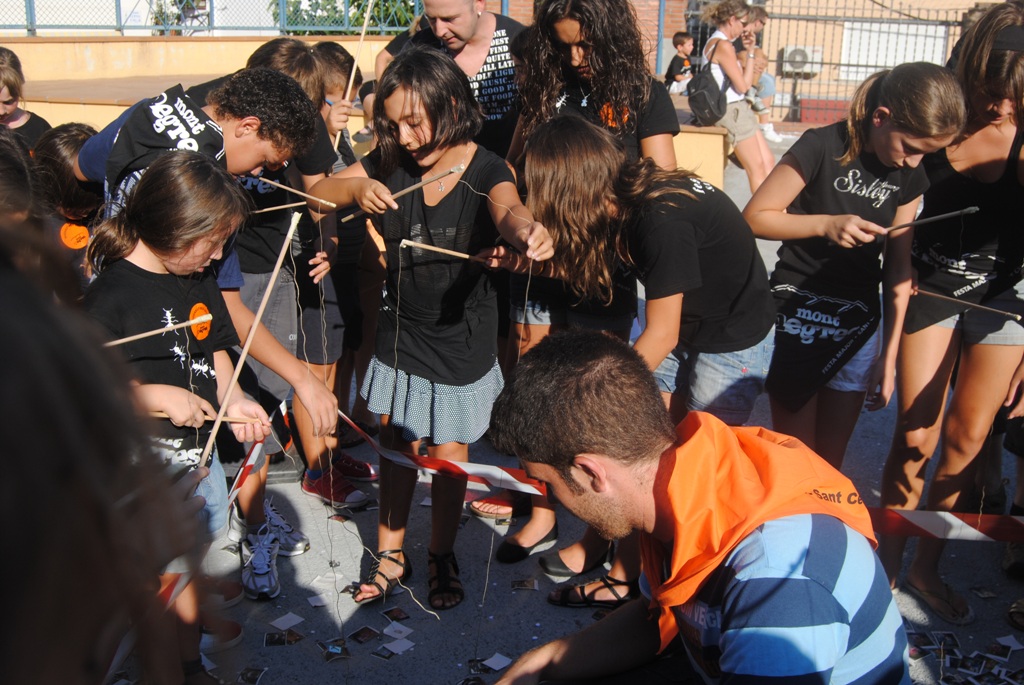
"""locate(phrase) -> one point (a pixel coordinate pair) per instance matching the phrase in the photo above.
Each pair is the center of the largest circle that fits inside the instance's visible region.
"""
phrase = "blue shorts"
(725, 384)
(214, 515)
(765, 86)
(549, 305)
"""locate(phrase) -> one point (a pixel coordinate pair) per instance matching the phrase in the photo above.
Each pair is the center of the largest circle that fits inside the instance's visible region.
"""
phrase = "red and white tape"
(495, 476)
(945, 525)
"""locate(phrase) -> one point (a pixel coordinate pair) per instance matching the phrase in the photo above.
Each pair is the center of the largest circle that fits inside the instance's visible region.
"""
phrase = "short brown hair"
(997, 73)
(11, 74)
(581, 392)
(295, 58)
(336, 64)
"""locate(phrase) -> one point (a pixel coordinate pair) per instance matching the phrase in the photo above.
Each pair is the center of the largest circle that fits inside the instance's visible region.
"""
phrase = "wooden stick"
(157, 331)
(282, 186)
(423, 246)
(979, 307)
(940, 217)
(227, 419)
(290, 205)
(406, 191)
(285, 249)
(355, 62)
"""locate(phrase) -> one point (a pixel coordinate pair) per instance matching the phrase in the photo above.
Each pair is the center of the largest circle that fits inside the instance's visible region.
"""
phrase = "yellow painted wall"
(49, 59)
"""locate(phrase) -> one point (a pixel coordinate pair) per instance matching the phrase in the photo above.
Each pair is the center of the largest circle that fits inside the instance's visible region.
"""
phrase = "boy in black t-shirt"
(680, 71)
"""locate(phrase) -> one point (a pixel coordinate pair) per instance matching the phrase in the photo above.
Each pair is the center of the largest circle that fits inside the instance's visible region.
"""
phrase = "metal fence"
(819, 51)
(205, 17)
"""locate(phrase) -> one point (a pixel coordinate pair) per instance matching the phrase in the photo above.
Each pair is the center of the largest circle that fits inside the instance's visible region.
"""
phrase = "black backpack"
(707, 99)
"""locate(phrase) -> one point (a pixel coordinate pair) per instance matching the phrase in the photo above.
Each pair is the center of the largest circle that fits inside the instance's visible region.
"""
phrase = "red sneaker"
(334, 489)
(354, 469)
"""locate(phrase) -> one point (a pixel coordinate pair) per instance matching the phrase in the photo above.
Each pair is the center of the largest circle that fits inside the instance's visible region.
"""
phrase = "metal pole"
(504, 7)
(30, 17)
(282, 15)
(119, 25)
(661, 34)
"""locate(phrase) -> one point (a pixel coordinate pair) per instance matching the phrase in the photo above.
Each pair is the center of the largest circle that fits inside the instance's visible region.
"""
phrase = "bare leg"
(318, 449)
(396, 489)
(976, 399)
(924, 366)
(371, 279)
(799, 424)
(625, 566)
(838, 412)
(252, 494)
(447, 496)
(756, 158)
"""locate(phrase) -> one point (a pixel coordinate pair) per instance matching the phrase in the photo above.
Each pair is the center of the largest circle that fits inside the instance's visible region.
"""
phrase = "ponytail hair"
(923, 99)
(182, 197)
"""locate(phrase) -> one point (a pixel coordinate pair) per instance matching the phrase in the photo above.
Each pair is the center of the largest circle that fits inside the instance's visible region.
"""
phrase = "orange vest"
(721, 483)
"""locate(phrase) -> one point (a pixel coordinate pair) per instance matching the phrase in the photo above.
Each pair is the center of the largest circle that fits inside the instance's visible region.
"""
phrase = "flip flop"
(518, 505)
(942, 604)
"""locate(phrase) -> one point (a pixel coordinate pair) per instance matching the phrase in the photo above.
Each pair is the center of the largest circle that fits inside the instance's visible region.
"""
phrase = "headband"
(1009, 38)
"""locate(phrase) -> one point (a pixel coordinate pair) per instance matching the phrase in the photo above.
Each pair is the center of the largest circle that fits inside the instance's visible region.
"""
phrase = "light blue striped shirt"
(802, 599)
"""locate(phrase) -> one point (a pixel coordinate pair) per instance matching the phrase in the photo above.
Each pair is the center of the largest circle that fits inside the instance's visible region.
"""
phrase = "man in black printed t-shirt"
(478, 42)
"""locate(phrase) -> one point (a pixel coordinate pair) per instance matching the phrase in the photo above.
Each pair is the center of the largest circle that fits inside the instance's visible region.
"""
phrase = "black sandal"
(389, 583)
(444, 579)
(577, 597)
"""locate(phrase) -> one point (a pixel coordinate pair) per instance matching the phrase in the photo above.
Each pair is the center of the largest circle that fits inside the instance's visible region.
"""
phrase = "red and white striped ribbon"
(945, 525)
(495, 476)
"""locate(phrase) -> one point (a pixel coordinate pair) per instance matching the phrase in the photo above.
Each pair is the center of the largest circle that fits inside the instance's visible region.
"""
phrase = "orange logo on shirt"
(74, 236)
(200, 330)
(608, 118)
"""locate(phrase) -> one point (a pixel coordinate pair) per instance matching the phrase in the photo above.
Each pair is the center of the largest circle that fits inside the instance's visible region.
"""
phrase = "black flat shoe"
(554, 566)
(511, 553)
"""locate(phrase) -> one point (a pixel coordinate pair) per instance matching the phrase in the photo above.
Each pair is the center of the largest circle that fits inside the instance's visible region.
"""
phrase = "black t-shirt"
(703, 248)
(449, 319)
(29, 132)
(654, 117)
(169, 121)
(973, 257)
(828, 296)
(678, 65)
(864, 187)
(260, 242)
(126, 300)
(493, 86)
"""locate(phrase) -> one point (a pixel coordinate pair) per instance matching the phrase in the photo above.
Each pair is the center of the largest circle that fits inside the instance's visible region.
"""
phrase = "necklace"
(560, 102)
(462, 164)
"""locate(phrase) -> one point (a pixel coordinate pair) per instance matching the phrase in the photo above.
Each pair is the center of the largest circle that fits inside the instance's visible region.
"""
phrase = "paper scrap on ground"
(287, 621)
(397, 631)
(317, 601)
(498, 661)
(1010, 641)
(399, 646)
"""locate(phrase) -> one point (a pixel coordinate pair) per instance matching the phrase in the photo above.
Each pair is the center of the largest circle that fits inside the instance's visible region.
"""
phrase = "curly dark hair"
(287, 115)
(616, 58)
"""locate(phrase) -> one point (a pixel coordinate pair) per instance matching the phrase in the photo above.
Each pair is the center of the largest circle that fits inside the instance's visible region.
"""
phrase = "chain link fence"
(819, 51)
(205, 17)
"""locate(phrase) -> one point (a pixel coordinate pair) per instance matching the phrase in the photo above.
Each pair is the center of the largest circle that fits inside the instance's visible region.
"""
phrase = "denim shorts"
(765, 86)
(548, 305)
(725, 384)
(214, 515)
(856, 372)
(985, 328)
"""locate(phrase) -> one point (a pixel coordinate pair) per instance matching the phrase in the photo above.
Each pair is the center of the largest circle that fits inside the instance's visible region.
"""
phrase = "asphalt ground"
(495, 618)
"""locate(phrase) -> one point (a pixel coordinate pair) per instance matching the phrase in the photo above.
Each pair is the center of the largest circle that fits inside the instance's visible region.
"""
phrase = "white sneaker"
(259, 564)
(769, 133)
(292, 542)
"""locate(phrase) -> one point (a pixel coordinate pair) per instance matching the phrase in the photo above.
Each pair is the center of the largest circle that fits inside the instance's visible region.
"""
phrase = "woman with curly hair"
(584, 57)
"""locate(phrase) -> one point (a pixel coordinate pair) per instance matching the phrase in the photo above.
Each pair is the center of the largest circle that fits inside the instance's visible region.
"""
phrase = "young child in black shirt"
(151, 260)
(435, 374)
(26, 125)
(680, 71)
(830, 201)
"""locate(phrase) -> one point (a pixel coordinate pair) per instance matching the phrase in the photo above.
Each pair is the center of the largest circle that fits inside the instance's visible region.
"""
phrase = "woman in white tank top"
(730, 19)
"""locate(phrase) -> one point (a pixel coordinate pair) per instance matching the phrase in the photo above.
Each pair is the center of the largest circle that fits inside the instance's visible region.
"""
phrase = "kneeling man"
(756, 552)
